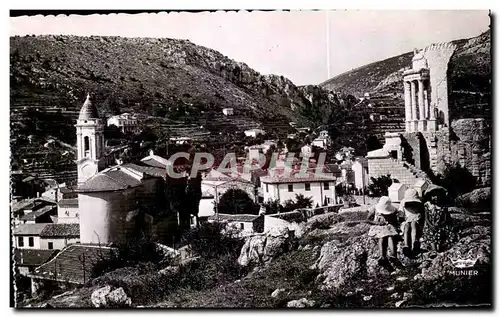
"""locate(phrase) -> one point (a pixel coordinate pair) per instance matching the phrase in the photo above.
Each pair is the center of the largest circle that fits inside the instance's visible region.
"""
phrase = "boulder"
(98, 297)
(262, 248)
(340, 262)
(475, 246)
(277, 292)
(300, 303)
(118, 298)
(323, 221)
(477, 197)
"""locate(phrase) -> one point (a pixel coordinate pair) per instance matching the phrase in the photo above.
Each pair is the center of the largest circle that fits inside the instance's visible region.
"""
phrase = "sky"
(307, 47)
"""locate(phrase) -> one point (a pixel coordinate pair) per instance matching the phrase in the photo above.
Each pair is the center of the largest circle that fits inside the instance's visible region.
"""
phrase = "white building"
(360, 169)
(56, 236)
(320, 142)
(126, 122)
(244, 223)
(181, 140)
(68, 211)
(228, 111)
(323, 134)
(283, 187)
(306, 150)
(109, 197)
(27, 236)
(254, 132)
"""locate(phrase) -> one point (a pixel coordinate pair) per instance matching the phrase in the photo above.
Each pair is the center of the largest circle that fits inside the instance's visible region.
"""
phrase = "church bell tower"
(90, 142)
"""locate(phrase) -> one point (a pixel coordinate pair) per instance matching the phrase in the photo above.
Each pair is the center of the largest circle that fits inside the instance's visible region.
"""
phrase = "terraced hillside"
(182, 86)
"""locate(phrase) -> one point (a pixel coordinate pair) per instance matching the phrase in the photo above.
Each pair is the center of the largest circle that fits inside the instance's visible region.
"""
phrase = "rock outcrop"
(261, 248)
(104, 297)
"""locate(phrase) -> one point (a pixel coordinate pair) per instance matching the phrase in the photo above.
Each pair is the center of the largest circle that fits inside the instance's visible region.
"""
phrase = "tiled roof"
(234, 218)
(29, 229)
(38, 213)
(32, 257)
(152, 162)
(156, 161)
(111, 180)
(32, 203)
(278, 176)
(61, 230)
(68, 202)
(148, 170)
(73, 264)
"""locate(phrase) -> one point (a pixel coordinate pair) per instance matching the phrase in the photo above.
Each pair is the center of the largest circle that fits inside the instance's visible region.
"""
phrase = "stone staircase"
(403, 171)
(406, 173)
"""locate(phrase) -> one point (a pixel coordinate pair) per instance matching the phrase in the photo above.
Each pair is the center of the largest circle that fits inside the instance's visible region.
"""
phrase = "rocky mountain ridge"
(469, 76)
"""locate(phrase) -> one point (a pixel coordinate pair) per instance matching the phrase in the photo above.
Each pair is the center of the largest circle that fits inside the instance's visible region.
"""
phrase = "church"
(113, 199)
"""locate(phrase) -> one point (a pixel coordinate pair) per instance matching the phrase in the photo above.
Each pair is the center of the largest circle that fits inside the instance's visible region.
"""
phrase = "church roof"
(88, 111)
(148, 170)
(111, 180)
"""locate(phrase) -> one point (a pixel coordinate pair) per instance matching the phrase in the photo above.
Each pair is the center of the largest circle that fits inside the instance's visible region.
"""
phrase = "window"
(20, 242)
(51, 245)
(86, 143)
(267, 188)
(308, 186)
(31, 242)
(326, 185)
(290, 187)
(242, 226)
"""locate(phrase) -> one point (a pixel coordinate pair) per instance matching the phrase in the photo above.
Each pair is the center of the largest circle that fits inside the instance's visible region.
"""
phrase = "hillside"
(179, 86)
(154, 76)
(329, 262)
(469, 77)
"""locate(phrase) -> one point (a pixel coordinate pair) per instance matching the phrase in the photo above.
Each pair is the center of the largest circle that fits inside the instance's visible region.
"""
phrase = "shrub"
(211, 240)
(236, 201)
(131, 253)
(379, 186)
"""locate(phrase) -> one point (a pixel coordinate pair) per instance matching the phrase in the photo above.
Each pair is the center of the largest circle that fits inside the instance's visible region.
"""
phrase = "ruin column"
(414, 121)
(407, 105)
(421, 114)
(432, 123)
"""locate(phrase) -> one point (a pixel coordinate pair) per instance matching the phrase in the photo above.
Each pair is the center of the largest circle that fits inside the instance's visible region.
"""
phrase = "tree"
(193, 195)
(380, 186)
(272, 206)
(236, 201)
(302, 201)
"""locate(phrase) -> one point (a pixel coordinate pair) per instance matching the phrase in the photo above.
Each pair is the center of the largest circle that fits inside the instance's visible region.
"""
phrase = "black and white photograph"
(280, 159)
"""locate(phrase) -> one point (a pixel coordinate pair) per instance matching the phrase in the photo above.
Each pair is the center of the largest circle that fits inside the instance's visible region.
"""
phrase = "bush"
(134, 252)
(211, 240)
(236, 201)
(379, 186)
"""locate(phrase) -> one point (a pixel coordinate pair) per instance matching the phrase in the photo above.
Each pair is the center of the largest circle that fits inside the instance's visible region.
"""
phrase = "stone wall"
(466, 143)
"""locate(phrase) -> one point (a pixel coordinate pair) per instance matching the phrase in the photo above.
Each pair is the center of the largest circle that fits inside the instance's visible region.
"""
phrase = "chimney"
(151, 152)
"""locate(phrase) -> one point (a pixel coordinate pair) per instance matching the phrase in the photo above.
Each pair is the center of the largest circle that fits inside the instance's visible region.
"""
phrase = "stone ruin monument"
(432, 140)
